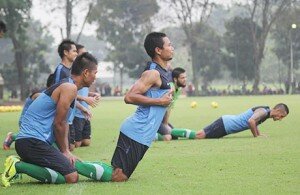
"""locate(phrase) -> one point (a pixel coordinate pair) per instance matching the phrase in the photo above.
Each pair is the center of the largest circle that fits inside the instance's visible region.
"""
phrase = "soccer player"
(153, 95)
(178, 81)
(11, 137)
(81, 124)
(2, 28)
(68, 53)
(40, 159)
(250, 119)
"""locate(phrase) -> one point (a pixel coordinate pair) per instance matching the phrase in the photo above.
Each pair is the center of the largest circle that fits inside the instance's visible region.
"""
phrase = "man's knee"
(200, 135)
(71, 147)
(119, 176)
(86, 142)
(167, 137)
(72, 177)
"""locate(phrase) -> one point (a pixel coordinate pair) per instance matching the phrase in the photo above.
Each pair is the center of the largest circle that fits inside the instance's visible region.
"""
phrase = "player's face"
(166, 53)
(81, 51)
(1, 34)
(72, 53)
(181, 80)
(89, 76)
(279, 115)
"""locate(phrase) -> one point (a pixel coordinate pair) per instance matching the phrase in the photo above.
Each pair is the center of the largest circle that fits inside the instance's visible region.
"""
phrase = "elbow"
(127, 99)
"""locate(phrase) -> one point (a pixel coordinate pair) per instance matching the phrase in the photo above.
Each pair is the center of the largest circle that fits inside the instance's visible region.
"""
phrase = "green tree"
(263, 13)
(238, 56)
(207, 54)
(17, 14)
(29, 44)
(285, 37)
(123, 25)
(192, 15)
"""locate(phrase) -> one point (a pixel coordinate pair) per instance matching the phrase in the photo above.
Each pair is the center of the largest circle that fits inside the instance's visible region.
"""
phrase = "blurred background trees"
(240, 42)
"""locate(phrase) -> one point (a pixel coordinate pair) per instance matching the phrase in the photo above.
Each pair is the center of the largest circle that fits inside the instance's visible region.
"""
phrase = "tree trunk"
(69, 17)
(196, 76)
(19, 59)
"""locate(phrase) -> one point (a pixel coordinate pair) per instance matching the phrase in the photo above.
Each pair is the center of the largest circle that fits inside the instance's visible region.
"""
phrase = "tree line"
(210, 38)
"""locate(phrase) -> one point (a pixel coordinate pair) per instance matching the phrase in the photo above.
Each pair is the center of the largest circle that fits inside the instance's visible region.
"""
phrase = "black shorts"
(82, 128)
(40, 153)
(128, 154)
(71, 134)
(216, 129)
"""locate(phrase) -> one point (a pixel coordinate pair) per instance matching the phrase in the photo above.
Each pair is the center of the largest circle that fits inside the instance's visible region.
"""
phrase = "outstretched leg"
(14, 166)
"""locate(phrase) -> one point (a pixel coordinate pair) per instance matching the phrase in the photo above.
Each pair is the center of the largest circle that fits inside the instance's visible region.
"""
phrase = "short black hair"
(283, 107)
(177, 71)
(50, 80)
(82, 62)
(66, 44)
(2, 26)
(153, 40)
(78, 46)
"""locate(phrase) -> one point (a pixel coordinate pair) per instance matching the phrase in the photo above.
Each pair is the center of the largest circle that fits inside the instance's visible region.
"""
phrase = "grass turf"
(234, 164)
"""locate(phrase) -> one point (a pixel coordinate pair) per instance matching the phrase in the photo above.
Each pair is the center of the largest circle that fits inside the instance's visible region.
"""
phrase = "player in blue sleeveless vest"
(250, 119)
(11, 137)
(81, 123)
(68, 53)
(153, 95)
(178, 79)
(44, 122)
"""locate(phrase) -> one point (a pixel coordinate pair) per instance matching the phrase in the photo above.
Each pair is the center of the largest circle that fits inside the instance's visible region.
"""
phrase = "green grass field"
(236, 164)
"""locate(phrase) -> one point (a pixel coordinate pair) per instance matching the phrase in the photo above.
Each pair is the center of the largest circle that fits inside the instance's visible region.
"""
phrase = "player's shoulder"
(151, 73)
(68, 87)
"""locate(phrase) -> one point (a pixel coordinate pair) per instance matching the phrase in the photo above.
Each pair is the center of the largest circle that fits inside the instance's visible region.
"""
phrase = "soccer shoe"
(10, 170)
(8, 141)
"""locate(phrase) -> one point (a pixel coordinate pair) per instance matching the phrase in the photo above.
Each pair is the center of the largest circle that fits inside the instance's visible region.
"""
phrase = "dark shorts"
(71, 134)
(40, 153)
(82, 128)
(128, 154)
(216, 129)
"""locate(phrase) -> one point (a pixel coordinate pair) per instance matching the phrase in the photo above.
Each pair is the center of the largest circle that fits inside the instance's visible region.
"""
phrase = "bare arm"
(258, 114)
(136, 94)
(92, 101)
(86, 112)
(64, 96)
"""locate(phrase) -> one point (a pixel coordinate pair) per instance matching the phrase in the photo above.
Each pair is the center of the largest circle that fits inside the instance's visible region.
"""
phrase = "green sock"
(42, 174)
(159, 137)
(183, 133)
(95, 170)
(14, 136)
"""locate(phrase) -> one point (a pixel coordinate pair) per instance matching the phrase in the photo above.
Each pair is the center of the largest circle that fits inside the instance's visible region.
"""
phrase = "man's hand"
(167, 99)
(92, 101)
(262, 135)
(71, 157)
(87, 113)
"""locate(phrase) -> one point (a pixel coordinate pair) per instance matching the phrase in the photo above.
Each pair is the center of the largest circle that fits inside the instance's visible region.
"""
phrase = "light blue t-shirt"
(28, 102)
(85, 93)
(237, 123)
(144, 123)
(38, 120)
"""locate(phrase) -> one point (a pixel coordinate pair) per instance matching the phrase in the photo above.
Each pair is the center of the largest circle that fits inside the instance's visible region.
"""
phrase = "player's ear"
(158, 51)
(85, 72)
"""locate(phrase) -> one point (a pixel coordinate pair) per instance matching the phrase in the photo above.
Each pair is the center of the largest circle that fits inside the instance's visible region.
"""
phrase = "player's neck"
(66, 63)
(162, 63)
(77, 81)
